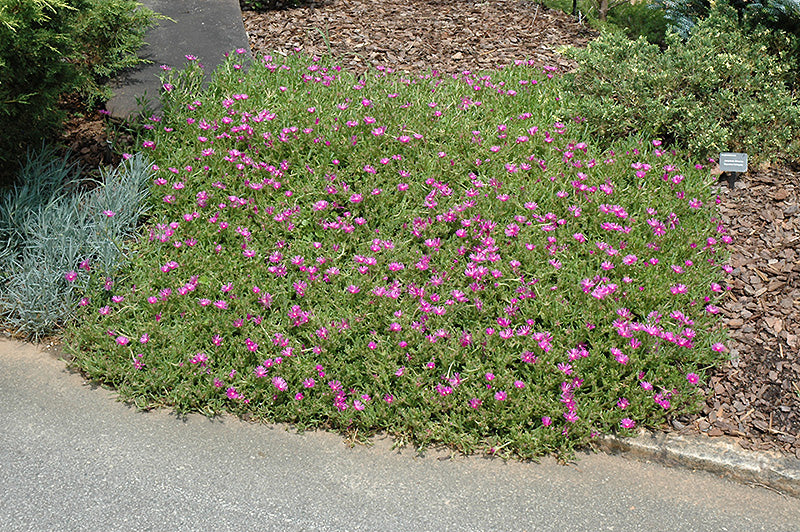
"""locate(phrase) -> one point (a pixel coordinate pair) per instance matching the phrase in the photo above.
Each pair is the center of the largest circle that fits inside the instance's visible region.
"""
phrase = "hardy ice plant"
(444, 258)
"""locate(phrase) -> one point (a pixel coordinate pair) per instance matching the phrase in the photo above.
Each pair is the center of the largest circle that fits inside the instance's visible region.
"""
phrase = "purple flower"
(627, 423)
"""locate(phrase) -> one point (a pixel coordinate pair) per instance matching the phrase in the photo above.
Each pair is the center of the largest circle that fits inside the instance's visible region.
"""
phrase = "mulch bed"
(418, 35)
(754, 398)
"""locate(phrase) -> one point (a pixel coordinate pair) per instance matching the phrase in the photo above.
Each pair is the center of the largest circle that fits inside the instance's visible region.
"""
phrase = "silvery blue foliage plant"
(55, 232)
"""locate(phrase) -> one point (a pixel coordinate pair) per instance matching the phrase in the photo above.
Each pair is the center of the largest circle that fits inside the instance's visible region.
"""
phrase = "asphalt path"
(73, 458)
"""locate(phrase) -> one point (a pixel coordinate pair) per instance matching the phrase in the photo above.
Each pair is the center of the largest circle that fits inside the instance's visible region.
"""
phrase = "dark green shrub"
(716, 91)
(52, 47)
(640, 19)
(779, 15)
(777, 20)
(109, 32)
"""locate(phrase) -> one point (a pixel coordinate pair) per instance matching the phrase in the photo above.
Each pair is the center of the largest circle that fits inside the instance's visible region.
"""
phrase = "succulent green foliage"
(448, 259)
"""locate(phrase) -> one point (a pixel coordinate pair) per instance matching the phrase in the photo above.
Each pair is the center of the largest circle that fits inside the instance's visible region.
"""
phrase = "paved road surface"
(73, 459)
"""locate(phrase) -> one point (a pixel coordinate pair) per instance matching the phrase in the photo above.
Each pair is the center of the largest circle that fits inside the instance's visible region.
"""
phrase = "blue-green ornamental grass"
(443, 258)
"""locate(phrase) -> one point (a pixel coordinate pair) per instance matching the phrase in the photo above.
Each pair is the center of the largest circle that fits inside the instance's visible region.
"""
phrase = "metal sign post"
(733, 164)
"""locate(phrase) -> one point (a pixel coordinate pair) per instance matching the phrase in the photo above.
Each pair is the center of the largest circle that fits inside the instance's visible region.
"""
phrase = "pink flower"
(693, 378)
(718, 347)
(619, 356)
(232, 393)
(280, 384)
(571, 416)
(71, 276)
(627, 423)
(122, 340)
(679, 289)
(500, 396)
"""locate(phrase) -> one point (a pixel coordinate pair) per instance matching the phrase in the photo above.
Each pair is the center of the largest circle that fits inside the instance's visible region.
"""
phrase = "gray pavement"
(206, 29)
(72, 458)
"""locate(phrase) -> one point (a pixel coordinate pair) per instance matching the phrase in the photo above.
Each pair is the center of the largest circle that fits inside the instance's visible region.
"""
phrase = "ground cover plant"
(445, 258)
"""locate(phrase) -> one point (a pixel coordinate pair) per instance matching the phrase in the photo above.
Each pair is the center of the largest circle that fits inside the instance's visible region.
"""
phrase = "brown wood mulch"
(756, 397)
(418, 35)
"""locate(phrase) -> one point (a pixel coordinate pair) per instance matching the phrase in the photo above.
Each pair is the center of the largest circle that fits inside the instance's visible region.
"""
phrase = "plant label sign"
(733, 162)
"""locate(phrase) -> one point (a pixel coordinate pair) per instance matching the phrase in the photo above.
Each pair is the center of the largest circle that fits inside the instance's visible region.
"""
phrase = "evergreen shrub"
(52, 47)
(717, 91)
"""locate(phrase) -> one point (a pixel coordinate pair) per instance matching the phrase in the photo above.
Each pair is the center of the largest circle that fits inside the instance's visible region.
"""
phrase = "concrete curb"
(721, 455)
